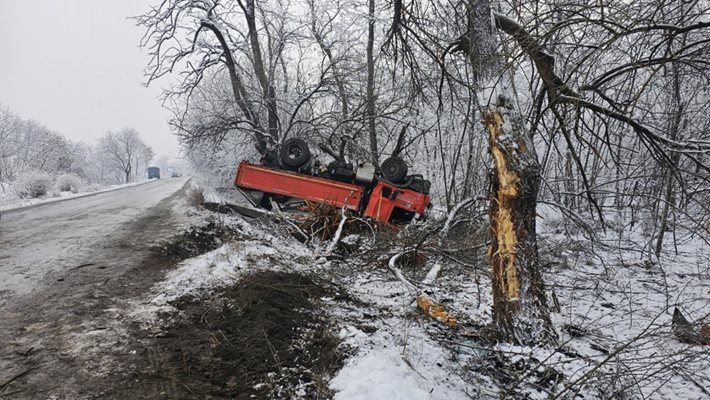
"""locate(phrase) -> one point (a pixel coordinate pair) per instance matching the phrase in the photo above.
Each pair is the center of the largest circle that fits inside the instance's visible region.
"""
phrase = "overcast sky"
(75, 66)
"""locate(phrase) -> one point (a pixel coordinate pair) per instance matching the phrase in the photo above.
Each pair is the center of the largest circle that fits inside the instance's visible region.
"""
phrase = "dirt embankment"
(263, 337)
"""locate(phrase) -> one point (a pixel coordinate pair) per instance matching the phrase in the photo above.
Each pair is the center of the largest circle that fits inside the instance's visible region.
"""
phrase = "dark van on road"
(153, 172)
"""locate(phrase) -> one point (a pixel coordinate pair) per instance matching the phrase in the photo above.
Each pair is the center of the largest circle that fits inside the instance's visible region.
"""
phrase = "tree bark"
(520, 312)
(370, 91)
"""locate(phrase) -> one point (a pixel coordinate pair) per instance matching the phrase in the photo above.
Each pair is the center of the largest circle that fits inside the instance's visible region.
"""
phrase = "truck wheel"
(294, 153)
(394, 169)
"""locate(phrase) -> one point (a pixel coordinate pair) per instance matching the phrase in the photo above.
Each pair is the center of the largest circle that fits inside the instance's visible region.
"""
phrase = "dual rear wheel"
(295, 154)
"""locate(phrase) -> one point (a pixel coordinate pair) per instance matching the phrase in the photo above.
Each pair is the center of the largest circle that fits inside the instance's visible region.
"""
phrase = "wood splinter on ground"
(425, 303)
(436, 311)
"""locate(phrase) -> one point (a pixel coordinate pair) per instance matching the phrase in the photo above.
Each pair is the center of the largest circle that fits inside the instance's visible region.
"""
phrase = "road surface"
(62, 265)
(53, 237)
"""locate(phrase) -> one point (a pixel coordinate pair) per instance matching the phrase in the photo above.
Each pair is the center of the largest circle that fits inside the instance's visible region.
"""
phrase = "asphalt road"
(62, 266)
(52, 237)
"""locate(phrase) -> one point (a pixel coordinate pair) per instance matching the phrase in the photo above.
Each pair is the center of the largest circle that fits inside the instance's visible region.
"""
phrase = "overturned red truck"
(292, 176)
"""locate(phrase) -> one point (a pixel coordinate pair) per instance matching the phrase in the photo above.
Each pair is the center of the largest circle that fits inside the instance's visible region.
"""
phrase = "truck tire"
(394, 169)
(294, 153)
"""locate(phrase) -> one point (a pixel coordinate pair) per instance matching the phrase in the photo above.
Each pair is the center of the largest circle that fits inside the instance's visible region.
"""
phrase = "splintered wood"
(436, 311)
(425, 303)
(503, 253)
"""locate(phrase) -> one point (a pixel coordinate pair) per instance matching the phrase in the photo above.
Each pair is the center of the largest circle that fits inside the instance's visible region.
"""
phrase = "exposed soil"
(197, 240)
(264, 337)
(222, 208)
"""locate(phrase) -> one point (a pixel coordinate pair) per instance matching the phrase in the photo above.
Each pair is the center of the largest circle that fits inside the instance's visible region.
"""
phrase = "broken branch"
(424, 302)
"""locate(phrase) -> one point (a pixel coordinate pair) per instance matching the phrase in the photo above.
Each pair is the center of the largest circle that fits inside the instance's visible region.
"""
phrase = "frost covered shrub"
(69, 183)
(195, 197)
(33, 184)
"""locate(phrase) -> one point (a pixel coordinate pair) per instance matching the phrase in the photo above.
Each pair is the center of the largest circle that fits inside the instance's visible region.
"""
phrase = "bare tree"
(144, 155)
(26, 145)
(123, 149)
(612, 79)
(9, 128)
(216, 35)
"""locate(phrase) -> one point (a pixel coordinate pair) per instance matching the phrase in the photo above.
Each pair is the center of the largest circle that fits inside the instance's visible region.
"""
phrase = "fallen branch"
(432, 274)
(424, 301)
(392, 265)
(338, 232)
(454, 212)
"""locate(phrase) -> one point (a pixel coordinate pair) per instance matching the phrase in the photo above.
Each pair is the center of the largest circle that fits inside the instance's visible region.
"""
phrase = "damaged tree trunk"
(520, 312)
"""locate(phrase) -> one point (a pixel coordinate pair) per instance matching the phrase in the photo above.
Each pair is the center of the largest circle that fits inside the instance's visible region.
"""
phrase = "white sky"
(75, 66)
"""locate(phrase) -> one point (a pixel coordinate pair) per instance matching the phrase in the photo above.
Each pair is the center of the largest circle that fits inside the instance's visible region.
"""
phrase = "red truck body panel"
(292, 184)
(380, 204)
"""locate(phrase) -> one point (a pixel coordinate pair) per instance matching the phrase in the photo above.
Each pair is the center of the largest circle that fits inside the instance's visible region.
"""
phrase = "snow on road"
(51, 237)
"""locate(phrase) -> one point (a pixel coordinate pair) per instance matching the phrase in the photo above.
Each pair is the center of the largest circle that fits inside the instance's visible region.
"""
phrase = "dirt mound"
(197, 240)
(264, 337)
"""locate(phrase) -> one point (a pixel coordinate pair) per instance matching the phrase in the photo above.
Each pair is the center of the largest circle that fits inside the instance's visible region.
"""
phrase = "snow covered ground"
(614, 318)
(8, 201)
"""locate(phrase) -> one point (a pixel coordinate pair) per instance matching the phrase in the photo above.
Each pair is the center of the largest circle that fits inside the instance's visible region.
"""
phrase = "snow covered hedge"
(33, 184)
(69, 183)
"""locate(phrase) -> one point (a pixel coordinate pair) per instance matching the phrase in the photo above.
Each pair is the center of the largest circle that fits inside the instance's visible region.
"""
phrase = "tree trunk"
(569, 179)
(520, 313)
(238, 89)
(267, 89)
(370, 91)
(676, 113)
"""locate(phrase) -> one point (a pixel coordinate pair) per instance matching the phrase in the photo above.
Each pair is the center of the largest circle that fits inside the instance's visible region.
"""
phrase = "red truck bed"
(385, 203)
(292, 184)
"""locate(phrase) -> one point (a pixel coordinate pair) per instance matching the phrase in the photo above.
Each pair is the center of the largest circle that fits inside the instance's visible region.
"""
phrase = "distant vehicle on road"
(153, 172)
